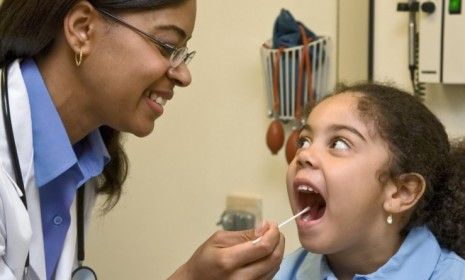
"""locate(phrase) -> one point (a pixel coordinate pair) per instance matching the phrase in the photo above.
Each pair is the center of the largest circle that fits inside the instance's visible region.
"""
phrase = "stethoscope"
(82, 272)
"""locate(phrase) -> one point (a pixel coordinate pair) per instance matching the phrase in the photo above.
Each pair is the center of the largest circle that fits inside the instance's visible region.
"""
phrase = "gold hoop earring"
(78, 59)
(389, 219)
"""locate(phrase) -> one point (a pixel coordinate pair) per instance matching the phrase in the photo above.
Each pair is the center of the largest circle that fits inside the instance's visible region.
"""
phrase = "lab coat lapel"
(30, 220)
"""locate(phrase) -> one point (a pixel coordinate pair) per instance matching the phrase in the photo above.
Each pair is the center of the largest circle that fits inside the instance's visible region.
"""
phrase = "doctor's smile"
(157, 100)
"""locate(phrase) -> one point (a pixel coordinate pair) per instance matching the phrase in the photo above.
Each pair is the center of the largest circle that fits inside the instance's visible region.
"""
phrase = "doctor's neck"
(68, 95)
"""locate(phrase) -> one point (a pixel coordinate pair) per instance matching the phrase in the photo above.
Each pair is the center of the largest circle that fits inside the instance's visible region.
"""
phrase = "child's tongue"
(307, 216)
(316, 212)
(316, 203)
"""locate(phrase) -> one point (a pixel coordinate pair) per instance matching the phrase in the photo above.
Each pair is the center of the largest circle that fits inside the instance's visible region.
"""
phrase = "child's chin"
(315, 249)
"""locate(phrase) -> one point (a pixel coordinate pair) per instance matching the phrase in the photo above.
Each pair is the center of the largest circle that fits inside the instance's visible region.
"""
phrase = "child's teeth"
(304, 188)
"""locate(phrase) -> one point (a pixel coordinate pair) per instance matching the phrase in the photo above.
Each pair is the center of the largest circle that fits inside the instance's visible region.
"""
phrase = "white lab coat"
(21, 230)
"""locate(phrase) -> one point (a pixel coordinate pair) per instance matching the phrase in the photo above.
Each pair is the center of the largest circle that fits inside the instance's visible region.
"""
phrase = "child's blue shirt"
(419, 257)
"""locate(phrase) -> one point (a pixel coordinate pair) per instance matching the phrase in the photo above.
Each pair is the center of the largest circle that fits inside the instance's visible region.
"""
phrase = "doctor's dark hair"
(28, 28)
(419, 143)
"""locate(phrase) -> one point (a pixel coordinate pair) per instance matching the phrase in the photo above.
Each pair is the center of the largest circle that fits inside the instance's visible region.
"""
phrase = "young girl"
(385, 187)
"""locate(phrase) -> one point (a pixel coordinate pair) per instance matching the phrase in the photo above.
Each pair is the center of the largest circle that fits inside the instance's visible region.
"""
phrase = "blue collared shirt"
(60, 167)
(420, 257)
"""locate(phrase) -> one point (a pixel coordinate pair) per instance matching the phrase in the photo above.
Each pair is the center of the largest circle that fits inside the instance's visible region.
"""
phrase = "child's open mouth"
(308, 196)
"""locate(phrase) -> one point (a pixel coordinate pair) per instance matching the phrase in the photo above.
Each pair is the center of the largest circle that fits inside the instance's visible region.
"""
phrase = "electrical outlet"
(247, 203)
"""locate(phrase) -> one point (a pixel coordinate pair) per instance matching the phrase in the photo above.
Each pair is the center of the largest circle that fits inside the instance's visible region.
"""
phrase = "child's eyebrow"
(306, 127)
(336, 127)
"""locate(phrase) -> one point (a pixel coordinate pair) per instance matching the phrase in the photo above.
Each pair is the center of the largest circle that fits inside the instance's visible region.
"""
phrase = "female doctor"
(75, 74)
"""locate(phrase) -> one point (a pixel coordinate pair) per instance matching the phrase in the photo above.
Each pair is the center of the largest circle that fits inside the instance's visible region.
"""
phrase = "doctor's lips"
(307, 195)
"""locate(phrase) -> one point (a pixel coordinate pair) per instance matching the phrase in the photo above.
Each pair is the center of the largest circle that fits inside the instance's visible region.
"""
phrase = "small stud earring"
(78, 59)
(389, 219)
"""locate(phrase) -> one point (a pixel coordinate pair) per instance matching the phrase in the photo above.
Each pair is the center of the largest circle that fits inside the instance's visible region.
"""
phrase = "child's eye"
(340, 144)
(303, 143)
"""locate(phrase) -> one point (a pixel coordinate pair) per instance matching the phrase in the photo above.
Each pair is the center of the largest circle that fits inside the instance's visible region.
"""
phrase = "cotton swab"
(286, 221)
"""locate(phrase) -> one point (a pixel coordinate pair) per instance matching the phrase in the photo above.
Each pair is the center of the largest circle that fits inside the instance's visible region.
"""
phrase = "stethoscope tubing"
(19, 178)
(11, 141)
(10, 136)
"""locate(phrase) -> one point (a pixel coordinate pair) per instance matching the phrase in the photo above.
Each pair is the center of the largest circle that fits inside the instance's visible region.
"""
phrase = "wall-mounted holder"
(242, 212)
(294, 77)
(236, 220)
(286, 74)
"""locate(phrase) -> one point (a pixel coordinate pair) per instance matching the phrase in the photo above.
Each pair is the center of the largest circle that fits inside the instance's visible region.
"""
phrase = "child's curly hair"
(419, 143)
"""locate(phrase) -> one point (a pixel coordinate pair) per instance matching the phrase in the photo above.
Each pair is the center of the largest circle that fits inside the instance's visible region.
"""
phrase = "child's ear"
(404, 193)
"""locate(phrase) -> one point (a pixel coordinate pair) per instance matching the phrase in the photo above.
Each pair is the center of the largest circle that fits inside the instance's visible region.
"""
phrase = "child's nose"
(307, 157)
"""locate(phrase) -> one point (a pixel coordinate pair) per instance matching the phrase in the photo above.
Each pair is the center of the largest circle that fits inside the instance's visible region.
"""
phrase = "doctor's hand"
(232, 255)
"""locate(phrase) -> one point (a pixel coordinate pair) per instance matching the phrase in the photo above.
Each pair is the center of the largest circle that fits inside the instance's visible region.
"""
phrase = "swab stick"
(285, 222)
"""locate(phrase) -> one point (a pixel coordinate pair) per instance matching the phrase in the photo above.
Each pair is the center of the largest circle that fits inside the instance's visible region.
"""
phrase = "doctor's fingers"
(269, 275)
(265, 268)
(224, 239)
(245, 253)
(244, 276)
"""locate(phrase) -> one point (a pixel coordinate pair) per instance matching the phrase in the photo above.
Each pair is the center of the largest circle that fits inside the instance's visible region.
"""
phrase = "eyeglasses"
(177, 55)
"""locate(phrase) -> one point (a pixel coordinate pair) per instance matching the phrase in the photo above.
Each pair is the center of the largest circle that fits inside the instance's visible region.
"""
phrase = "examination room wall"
(210, 142)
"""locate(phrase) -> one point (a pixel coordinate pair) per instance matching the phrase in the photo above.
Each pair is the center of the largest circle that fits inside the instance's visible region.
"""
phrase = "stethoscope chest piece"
(84, 273)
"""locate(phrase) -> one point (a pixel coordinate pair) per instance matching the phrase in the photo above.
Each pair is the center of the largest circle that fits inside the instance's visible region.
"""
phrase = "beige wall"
(209, 143)
(352, 41)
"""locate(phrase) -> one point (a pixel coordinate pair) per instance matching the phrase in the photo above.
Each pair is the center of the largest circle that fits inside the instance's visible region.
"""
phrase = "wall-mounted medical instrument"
(412, 8)
(436, 40)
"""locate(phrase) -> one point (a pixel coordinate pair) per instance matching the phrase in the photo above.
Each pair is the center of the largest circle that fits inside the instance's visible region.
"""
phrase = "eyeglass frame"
(171, 50)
